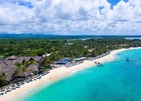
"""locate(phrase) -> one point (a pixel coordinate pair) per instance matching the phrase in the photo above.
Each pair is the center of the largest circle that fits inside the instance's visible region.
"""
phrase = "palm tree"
(24, 69)
(3, 76)
(21, 67)
(26, 63)
(18, 65)
(3, 79)
(33, 62)
(16, 73)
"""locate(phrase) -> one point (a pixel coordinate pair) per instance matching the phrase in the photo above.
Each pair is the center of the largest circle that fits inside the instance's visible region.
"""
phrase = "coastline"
(59, 73)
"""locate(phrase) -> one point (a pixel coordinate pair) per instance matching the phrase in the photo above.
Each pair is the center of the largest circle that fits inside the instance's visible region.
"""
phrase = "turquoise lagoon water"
(118, 80)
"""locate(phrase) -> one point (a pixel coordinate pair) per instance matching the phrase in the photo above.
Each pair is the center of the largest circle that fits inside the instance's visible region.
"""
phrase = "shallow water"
(118, 80)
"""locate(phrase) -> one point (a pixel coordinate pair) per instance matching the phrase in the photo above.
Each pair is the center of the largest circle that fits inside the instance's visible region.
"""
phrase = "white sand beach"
(57, 74)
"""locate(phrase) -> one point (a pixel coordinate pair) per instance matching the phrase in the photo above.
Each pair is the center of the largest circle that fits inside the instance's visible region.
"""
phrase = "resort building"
(8, 66)
(79, 59)
(63, 61)
(9, 70)
(33, 68)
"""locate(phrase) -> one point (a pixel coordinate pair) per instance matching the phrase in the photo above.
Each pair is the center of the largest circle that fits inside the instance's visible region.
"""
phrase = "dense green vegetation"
(59, 48)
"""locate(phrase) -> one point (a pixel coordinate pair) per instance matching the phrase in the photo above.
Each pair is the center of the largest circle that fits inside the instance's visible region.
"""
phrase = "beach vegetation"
(3, 80)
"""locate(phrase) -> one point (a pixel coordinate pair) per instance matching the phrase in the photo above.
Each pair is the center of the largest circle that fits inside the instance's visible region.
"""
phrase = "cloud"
(70, 16)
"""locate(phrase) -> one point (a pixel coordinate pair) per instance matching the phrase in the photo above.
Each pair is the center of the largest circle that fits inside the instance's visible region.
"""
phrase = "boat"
(98, 64)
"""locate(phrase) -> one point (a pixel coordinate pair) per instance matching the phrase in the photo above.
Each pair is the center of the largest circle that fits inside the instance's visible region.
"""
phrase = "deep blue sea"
(118, 80)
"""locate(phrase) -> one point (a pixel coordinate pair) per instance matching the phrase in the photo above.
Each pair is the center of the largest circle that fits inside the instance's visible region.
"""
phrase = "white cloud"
(15, 14)
(66, 16)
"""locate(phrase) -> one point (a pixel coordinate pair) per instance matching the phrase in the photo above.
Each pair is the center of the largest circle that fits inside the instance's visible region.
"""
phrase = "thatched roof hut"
(37, 58)
(12, 57)
(33, 68)
(9, 62)
(9, 72)
(2, 64)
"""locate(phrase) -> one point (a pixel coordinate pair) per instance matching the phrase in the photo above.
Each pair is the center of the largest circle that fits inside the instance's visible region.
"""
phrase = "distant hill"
(50, 36)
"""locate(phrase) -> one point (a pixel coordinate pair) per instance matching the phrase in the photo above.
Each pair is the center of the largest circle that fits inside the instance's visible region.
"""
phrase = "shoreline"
(59, 73)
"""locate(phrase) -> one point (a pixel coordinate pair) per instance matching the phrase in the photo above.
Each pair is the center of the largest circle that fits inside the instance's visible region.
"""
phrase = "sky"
(94, 17)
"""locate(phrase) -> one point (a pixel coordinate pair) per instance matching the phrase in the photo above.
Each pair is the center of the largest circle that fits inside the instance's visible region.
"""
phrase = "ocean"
(118, 80)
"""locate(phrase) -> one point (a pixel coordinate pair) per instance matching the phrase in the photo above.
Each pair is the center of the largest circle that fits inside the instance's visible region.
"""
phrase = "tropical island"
(70, 50)
(24, 58)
